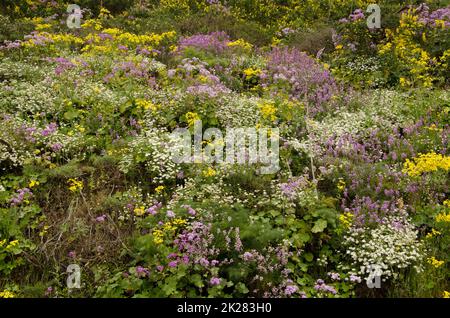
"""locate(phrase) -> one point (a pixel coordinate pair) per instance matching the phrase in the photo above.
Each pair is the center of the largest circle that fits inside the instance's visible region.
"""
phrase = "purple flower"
(290, 289)
(173, 264)
(101, 218)
(214, 281)
(170, 214)
(247, 256)
(56, 147)
(335, 276)
(142, 272)
(48, 291)
(172, 255)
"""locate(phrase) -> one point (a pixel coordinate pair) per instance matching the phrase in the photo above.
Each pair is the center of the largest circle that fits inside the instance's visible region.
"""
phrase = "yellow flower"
(75, 185)
(426, 163)
(210, 172)
(268, 111)
(446, 294)
(7, 294)
(339, 47)
(139, 211)
(12, 244)
(158, 236)
(434, 262)
(145, 104)
(432, 233)
(191, 118)
(44, 26)
(446, 203)
(346, 219)
(33, 183)
(159, 189)
(442, 217)
(341, 185)
(241, 43)
(252, 72)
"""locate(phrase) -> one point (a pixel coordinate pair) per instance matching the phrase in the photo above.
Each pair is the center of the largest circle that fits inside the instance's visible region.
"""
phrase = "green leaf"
(70, 114)
(308, 256)
(319, 226)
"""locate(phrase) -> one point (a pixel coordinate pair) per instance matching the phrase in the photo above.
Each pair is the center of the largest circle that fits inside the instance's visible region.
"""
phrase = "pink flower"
(173, 264)
(215, 281)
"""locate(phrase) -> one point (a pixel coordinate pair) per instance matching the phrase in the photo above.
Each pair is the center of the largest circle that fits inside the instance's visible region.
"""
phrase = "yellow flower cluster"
(158, 236)
(10, 244)
(432, 234)
(341, 185)
(145, 104)
(446, 203)
(268, 111)
(446, 294)
(33, 183)
(346, 219)
(252, 72)
(7, 294)
(426, 163)
(402, 42)
(159, 189)
(191, 118)
(139, 211)
(75, 185)
(210, 172)
(241, 44)
(442, 217)
(434, 262)
(170, 226)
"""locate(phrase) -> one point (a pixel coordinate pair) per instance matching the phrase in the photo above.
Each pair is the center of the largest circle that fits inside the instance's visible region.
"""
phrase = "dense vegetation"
(87, 178)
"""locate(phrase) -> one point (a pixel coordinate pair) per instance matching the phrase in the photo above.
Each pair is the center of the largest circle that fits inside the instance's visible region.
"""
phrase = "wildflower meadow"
(224, 149)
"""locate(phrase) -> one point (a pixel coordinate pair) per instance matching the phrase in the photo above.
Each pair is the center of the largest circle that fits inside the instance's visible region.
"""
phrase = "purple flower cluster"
(322, 287)
(142, 272)
(301, 77)
(430, 19)
(49, 129)
(131, 70)
(215, 42)
(194, 72)
(62, 64)
(22, 195)
(154, 208)
(358, 14)
(191, 211)
(196, 245)
(292, 186)
(215, 281)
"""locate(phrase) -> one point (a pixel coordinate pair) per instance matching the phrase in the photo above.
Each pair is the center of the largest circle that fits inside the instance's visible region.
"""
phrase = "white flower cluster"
(153, 150)
(391, 246)
(235, 110)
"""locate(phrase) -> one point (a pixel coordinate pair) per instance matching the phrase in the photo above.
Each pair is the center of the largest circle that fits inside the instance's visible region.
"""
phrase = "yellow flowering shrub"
(240, 43)
(346, 219)
(412, 55)
(75, 185)
(426, 163)
(268, 111)
(191, 118)
(434, 262)
(7, 294)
